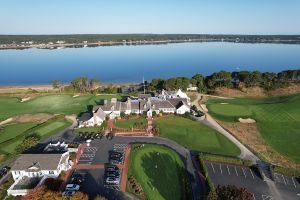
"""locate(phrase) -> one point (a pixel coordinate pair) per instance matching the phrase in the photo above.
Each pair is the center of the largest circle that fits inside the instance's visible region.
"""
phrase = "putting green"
(160, 172)
(278, 119)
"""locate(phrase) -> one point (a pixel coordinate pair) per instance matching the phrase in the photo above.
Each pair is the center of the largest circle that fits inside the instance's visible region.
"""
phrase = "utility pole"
(144, 84)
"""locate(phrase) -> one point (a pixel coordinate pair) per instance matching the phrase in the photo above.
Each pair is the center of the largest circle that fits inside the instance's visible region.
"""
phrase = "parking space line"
(212, 167)
(251, 173)
(266, 197)
(294, 182)
(236, 171)
(244, 172)
(220, 168)
(228, 169)
(283, 179)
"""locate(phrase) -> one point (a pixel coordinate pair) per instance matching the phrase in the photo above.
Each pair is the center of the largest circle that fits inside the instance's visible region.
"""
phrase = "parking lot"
(92, 164)
(93, 185)
(241, 176)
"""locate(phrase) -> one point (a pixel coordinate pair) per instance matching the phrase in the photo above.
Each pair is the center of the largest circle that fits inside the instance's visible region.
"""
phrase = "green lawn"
(12, 135)
(195, 136)
(160, 172)
(131, 123)
(278, 119)
(13, 130)
(54, 104)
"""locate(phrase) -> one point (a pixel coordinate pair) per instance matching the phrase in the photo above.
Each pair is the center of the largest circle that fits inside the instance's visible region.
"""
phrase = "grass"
(88, 130)
(14, 134)
(278, 119)
(13, 130)
(229, 160)
(131, 122)
(54, 104)
(160, 171)
(195, 136)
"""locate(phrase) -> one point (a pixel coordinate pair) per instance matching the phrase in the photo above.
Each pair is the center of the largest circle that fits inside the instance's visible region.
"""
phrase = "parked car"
(4, 170)
(77, 179)
(111, 180)
(68, 193)
(112, 168)
(115, 174)
(115, 161)
(72, 187)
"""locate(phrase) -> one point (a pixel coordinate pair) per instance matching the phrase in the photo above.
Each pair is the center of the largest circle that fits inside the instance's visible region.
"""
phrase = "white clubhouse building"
(166, 102)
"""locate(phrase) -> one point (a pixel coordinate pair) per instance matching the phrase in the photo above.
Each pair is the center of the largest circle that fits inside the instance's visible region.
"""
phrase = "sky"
(149, 16)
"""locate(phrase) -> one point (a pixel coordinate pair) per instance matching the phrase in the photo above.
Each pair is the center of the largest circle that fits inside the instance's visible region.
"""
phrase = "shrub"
(154, 114)
(122, 114)
(27, 143)
(231, 192)
(73, 155)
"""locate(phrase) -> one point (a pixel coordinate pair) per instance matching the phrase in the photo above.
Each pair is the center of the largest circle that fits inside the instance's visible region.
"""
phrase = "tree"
(84, 84)
(98, 197)
(35, 194)
(79, 196)
(56, 84)
(53, 184)
(199, 81)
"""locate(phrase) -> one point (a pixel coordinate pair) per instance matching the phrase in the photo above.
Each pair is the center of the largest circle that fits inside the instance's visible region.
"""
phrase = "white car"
(112, 180)
(68, 193)
(72, 187)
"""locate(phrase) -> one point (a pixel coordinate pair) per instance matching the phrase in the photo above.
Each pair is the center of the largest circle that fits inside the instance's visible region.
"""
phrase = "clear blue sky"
(150, 16)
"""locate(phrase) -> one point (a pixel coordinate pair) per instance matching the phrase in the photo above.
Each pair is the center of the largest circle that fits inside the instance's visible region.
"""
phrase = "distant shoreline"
(81, 41)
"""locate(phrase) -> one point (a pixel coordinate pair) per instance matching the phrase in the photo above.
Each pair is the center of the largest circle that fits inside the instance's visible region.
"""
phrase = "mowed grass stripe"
(50, 127)
(195, 136)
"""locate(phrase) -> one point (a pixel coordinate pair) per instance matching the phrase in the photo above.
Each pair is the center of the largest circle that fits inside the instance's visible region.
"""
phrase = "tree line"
(266, 80)
(205, 84)
(79, 38)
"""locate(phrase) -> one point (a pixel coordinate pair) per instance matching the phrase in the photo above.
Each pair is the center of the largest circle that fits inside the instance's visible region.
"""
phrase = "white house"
(192, 88)
(174, 94)
(30, 170)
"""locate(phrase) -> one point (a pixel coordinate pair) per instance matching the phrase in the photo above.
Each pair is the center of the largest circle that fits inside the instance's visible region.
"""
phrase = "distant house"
(166, 102)
(30, 170)
(192, 88)
(174, 94)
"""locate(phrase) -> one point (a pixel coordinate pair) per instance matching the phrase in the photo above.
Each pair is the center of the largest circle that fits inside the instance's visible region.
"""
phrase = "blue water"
(119, 64)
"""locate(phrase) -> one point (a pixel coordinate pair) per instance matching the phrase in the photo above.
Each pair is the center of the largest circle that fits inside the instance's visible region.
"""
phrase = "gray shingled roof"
(42, 161)
(100, 113)
(177, 102)
(85, 116)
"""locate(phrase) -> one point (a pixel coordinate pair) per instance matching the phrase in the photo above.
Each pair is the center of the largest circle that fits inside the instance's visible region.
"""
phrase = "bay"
(123, 64)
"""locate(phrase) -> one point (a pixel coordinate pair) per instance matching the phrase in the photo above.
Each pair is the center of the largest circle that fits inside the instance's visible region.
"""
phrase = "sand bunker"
(6, 121)
(247, 120)
(25, 99)
(224, 103)
(77, 95)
